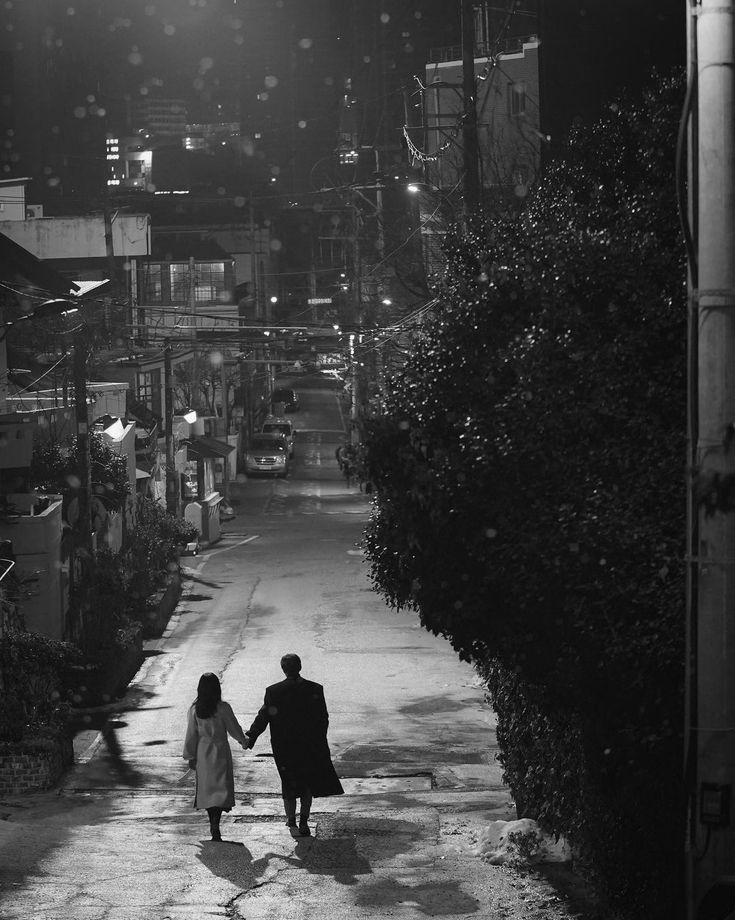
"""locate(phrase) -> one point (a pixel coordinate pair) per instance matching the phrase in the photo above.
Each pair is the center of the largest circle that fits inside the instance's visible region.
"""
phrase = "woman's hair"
(209, 694)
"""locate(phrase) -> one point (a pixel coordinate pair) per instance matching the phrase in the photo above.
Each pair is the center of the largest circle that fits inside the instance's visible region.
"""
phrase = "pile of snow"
(519, 842)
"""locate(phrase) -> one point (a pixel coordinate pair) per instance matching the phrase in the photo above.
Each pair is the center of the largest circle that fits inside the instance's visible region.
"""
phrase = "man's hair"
(291, 664)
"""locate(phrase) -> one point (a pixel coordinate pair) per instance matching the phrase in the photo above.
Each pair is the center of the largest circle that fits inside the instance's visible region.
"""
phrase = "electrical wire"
(20, 390)
(414, 231)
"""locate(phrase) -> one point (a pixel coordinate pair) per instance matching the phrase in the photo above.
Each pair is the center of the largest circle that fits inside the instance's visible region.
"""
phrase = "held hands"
(248, 742)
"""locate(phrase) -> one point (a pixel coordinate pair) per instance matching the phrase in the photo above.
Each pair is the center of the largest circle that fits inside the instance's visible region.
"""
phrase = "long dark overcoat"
(297, 715)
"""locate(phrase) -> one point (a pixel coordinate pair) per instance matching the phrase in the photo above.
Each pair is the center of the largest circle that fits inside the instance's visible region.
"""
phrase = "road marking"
(225, 549)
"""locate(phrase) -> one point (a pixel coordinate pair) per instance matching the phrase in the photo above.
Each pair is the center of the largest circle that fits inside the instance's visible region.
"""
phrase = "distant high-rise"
(159, 118)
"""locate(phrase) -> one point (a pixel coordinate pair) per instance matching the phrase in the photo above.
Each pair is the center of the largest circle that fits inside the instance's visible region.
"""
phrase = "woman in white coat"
(207, 749)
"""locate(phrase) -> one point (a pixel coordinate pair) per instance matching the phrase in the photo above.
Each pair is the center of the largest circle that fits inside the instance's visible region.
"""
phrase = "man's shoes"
(304, 829)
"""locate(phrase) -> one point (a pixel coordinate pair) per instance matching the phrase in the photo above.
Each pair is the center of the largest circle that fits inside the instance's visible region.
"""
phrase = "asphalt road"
(411, 735)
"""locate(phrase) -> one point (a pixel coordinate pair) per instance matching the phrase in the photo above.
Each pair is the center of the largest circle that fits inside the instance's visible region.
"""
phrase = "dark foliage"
(124, 581)
(55, 468)
(31, 668)
(530, 476)
(151, 553)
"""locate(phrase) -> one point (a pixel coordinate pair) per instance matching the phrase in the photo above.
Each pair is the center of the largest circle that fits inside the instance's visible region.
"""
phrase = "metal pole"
(713, 858)
(689, 145)
(469, 122)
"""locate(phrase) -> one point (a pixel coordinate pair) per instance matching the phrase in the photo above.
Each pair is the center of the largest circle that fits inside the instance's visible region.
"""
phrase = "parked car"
(288, 398)
(282, 426)
(267, 453)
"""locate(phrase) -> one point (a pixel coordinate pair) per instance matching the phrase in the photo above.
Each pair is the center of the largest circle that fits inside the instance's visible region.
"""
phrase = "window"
(208, 279)
(179, 277)
(148, 386)
(136, 169)
(151, 284)
(520, 175)
(517, 98)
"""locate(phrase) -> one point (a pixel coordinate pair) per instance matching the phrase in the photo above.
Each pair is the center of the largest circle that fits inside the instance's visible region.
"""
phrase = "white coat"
(206, 742)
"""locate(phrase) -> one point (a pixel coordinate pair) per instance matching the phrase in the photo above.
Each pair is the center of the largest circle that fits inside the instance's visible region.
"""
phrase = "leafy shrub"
(31, 666)
(151, 551)
(125, 582)
(55, 468)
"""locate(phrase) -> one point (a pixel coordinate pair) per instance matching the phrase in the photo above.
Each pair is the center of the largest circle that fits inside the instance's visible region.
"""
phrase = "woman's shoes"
(217, 836)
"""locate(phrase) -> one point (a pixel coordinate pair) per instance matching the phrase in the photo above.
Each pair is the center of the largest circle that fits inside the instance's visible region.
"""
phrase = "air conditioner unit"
(33, 211)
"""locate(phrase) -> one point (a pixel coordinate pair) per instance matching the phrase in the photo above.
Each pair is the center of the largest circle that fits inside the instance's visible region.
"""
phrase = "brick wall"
(34, 771)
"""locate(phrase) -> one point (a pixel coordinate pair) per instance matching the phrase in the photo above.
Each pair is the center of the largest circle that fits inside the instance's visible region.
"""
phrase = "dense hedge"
(31, 685)
(530, 474)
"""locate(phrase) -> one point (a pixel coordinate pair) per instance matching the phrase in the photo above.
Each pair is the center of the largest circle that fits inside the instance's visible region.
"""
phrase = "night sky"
(70, 68)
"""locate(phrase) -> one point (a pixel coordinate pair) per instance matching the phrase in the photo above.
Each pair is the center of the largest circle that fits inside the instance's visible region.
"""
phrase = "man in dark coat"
(297, 714)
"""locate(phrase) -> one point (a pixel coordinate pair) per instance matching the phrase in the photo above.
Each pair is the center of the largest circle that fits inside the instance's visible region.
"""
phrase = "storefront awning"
(207, 449)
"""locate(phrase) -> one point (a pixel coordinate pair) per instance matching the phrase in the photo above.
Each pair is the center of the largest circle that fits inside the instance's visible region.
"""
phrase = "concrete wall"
(507, 143)
(80, 237)
(37, 547)
(13, 201)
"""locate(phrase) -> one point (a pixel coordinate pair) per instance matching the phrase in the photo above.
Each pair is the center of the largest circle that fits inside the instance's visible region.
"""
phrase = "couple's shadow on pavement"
(336, 857)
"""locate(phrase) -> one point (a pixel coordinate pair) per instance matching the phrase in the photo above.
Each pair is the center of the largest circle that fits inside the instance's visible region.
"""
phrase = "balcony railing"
(513, 45)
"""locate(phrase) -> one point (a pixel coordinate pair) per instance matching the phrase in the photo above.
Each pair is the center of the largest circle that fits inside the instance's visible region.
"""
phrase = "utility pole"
(111, 266)
(253, 258)
(196, 382)
(358, 372)
(711, 703)
(81, 412)
(469, 120)
(226, 424)
(172, 497)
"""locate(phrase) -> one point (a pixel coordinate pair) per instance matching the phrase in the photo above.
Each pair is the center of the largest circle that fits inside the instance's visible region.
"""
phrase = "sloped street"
(410, 731)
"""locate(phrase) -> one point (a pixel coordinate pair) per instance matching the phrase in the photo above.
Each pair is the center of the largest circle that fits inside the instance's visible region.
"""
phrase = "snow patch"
(519, 842)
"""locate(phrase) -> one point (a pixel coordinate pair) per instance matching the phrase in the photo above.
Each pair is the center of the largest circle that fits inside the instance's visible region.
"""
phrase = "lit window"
(517, 98)
(136, 169)
(151, 284)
